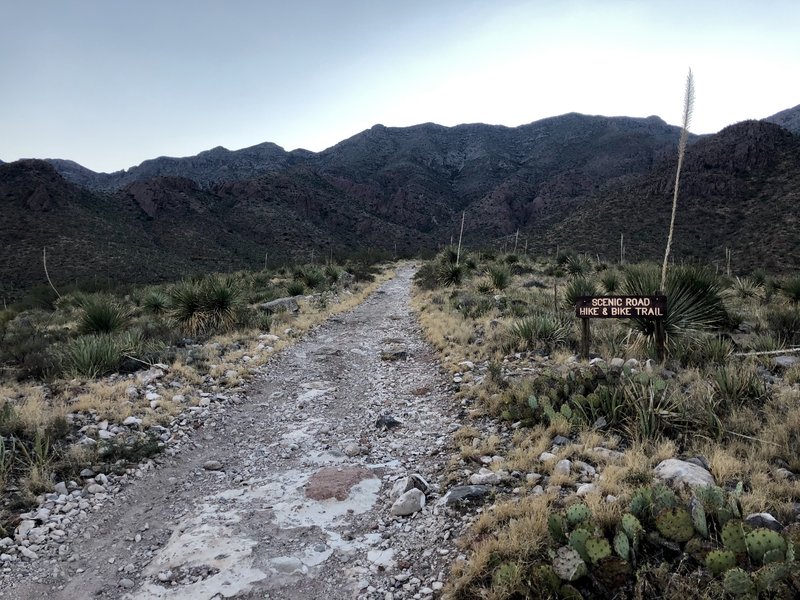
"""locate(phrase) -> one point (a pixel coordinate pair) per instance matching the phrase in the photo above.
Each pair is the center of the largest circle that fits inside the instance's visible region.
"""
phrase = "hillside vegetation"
(620, 477)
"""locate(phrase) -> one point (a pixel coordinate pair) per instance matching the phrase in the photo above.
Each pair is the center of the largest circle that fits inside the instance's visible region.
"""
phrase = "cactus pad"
(568, 564)
(622, 545)
(663, 498)
(569, 592)
(733, 537)
(557, 527)
(769, 577)
(738, 583)
(577, 539)
(675, 524)
(719, 561)
(763, 540)
(699, 517)
(632, 528)
(642, 502)
(597, 549)
(578, 513)
(545, 578)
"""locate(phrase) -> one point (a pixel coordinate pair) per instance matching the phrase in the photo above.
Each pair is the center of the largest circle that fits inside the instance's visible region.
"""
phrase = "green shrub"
(541, 330)
(737, 385)
(313, 278)
(578, 266)
(92, 355)
(102, 315)
(500, 276)
(577, 287)
(207, 306)
(702, 351)
(296, 288)
(449, 274)
(155, 302)
(611, 281)
(791, 289)
(784, 322)
(333, 273)
(693, 298)
(425, 277)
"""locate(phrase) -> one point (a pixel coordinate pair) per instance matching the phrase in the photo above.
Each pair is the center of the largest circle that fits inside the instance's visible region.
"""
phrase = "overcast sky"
(111, 83)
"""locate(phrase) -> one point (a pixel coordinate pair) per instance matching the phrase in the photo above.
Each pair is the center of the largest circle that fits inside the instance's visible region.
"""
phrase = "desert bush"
(155, 302)
(578, 266)
(91, 355)
(791, 289)
(102, 315)
(499, 275)
(313, 278)
(746, 289)
(784, 322)
(206, 306)
(702, 351)
(736, 385)
(425, 277)
(449, 274)
(333, 274)
(296, 288)
(611, 281)
(577, 287)
(693, 296)
(541, 330)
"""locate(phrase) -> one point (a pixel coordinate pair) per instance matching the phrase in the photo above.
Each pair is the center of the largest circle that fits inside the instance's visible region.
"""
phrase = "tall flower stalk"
(688, 106)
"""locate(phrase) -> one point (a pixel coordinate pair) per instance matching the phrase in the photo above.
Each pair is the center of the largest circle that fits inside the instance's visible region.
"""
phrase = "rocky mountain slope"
(397, 190)
(739, 190)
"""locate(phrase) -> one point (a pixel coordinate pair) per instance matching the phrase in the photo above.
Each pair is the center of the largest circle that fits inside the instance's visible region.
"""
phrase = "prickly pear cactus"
(719, 561)
(763, 540)
(545, 578)
(773, 556)
(739, 583)
(597, 549)
(557, 527)
(699, 517)
(578, 513)
(769, 577)
(569, 592)
(568, 564)
(733, 536)
(675, 524)
(642, 502)
(577, 539)
(622, 545)
(663, 498)
(632, 528)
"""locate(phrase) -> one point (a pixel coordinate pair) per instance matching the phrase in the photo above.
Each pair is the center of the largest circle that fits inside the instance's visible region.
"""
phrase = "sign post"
(622, 307)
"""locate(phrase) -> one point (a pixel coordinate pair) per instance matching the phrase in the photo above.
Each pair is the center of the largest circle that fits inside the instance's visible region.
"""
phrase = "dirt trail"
(246, 527)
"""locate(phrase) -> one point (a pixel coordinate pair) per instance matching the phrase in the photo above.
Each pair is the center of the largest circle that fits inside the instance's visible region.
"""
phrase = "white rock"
(679, 471)
(410, 502)
(132, 421)
(484, 477)
(545, 456)
(562, 467)
(28, 553)
(586, 488)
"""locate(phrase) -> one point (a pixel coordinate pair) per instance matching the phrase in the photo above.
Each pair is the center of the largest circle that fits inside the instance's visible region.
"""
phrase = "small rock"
(484, 477)
(678, 471)
(352, 450)
(585, 488)
(786, 361)
(410, 502)
(387, 422)
(562, 467)
(465, 494)
(212, 465)
(126, 583)
(132, 421)
(763, 520)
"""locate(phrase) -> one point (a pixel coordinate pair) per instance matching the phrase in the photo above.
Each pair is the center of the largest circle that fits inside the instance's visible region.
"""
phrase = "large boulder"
(677, 471)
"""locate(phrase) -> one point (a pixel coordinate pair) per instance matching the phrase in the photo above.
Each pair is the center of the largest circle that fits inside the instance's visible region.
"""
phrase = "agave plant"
(541, 329)
(500, 276)
(102, 315)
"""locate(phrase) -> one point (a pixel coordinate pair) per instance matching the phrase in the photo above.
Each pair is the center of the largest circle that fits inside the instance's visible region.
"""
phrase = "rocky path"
(288, 494)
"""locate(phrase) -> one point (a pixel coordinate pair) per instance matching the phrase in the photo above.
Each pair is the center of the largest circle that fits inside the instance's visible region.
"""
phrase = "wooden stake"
(460, 235)
(46, 274)
(586, 338)
(516, 239)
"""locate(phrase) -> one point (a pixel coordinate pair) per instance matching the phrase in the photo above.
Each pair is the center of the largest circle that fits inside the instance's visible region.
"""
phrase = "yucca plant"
(737, 385)
(746, 289)
(784, 321)
(578, 266)
(541, 330)
(313, 278)
(186, 306)
(221, 298)
(296, 288)
(102, 315)
(694, 302)
(92, 355)
(500, 276)
(791, 289)
(610, 280)
(333, 273)
(449, 274)
(580, 286)
(155, 302)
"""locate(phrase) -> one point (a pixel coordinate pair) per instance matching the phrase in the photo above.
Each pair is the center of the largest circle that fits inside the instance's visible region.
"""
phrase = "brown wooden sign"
(621, 307)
